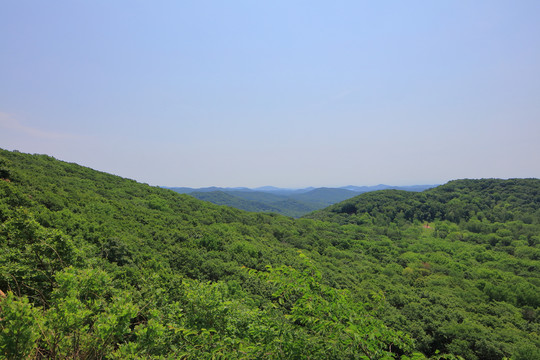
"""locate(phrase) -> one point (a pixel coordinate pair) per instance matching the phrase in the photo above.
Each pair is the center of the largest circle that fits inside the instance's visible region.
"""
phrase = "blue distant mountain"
(290, 202)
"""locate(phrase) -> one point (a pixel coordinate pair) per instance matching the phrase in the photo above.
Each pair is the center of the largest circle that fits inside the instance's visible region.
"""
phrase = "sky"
(283, 93)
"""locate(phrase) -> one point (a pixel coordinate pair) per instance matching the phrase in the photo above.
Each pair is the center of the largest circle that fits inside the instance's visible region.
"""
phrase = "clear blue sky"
(284, 93)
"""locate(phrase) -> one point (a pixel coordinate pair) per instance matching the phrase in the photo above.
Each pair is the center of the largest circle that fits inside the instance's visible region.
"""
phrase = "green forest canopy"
(96, 266)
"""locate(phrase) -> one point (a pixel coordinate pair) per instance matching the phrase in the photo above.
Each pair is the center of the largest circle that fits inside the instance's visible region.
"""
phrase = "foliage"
(19, 327)
(96, 266)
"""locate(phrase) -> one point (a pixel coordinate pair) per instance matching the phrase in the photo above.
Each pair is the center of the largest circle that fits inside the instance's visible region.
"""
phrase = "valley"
(289, 202)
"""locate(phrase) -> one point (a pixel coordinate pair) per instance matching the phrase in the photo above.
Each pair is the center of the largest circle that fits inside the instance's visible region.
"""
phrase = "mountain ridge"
(275, 189)
(289, 202)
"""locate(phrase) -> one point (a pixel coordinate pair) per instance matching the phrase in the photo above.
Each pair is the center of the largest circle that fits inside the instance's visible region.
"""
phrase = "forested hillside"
(494, 200)
(463, 259)
(96, 266)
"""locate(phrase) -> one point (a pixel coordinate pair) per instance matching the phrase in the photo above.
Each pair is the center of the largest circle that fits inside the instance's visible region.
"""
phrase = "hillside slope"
(472, 242)
(111, 268)
(460, 200)
(96, 266)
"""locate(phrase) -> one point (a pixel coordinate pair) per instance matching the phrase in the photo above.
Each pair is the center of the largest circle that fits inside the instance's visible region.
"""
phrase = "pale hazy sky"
(285, 93)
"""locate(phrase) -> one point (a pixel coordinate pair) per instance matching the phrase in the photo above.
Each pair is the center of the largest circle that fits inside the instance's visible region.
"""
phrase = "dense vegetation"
(471, 272)
(96, 266)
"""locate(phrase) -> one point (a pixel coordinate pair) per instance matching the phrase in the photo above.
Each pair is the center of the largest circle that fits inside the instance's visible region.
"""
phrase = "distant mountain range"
(290, 202)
